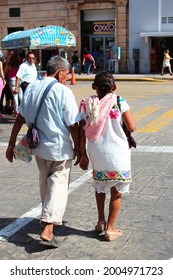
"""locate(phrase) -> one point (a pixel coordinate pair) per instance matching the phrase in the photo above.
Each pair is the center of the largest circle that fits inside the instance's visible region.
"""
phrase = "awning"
(156, 34)
(39, 38)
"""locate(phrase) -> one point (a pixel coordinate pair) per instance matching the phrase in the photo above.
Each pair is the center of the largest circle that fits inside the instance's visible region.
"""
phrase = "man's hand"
(16, 85)
(12, 142)
(74, 131)
(15, 91)
(9, 153)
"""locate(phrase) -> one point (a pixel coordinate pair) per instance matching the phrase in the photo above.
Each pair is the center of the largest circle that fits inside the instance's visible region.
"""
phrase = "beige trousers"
(54, 177)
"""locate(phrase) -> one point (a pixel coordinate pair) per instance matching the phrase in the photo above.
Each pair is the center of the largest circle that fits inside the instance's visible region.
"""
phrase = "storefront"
(97, 25)
(98, 35)
(157, 43)
(151, 33)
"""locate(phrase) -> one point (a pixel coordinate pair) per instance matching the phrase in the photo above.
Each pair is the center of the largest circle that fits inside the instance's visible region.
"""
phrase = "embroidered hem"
(107, 175)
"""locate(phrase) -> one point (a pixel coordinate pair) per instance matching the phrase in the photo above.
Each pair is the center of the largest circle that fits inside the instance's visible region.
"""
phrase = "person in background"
(95, 55)
(58, 130)
(166, 62)
(7, 98)
(76, 62)
(108, 149)
(10, 71)
(27, 73)
(2, 77)
(88, 62)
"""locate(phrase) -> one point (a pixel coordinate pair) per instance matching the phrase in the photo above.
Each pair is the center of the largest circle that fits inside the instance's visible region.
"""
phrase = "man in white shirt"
(27, 73)
(57, 125)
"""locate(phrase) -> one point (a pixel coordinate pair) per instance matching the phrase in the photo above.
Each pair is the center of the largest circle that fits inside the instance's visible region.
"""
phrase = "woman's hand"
(77, 156)
(84, 162)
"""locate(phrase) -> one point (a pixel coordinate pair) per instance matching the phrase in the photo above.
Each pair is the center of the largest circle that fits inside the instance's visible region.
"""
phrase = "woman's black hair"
(104, 81)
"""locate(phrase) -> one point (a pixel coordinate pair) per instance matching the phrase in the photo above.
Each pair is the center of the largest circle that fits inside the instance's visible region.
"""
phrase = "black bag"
(130, 138)
(32, 133)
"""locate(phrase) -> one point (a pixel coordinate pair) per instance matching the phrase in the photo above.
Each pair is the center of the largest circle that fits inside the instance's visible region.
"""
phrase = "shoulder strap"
(118, 102)
(43, 97)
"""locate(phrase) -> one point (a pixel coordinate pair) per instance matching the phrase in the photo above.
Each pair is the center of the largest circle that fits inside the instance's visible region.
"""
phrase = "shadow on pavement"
(28, 236)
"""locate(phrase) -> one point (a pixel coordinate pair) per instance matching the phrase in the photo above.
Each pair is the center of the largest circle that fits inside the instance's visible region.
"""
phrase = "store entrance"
(100, 47)
(158, 45)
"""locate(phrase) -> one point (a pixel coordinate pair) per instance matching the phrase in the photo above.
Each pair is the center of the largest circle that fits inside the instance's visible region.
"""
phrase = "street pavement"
(146, 215)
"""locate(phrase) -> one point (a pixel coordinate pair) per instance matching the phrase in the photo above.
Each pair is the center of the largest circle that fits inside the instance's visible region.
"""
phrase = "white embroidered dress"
(110, 154)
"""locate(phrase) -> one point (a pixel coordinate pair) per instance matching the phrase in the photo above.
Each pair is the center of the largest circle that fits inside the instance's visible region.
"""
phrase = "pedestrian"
(76, 62)
(58, 130)
(2, 78)
(166, 62)
(88, 62)
(27, 73)
(108, 149)
(95, 55)
(7, 98)
(11, 69)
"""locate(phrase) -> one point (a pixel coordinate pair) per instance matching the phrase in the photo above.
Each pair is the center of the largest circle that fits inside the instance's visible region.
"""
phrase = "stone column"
(122, 33)
(73, 23)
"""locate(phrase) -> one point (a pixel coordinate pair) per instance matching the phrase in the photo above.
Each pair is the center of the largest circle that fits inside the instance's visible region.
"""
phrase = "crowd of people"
(88, 64)
(64, 130)
(15, 74)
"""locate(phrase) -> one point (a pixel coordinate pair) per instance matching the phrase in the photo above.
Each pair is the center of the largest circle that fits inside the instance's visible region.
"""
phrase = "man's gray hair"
(56, 63)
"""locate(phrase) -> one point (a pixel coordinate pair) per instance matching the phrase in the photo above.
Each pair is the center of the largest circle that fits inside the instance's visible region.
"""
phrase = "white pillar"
(159, 15)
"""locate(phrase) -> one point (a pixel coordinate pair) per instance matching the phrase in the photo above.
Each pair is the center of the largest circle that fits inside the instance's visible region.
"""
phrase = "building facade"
(100, 26)
(150, 33)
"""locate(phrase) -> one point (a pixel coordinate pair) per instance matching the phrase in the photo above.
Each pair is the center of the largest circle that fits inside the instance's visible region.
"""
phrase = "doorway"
(100, 47)
(158, 45)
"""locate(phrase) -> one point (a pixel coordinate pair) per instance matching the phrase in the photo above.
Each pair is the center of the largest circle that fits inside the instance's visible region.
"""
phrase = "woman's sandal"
(100, 227)
(112, 235)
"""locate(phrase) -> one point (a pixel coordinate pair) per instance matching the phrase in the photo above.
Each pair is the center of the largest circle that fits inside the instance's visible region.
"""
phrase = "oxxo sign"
(104, 27)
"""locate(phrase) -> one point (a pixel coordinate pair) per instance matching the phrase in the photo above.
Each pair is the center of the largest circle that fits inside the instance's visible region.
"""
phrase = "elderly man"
(56, 122)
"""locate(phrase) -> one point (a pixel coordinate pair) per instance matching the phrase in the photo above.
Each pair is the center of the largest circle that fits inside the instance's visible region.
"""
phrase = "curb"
(128, 79)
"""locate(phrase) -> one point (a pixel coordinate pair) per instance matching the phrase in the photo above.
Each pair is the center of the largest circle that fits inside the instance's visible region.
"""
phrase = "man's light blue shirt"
(59, 110)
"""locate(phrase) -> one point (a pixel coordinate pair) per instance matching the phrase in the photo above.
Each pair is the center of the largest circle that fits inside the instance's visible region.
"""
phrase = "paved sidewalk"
(146, 216)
